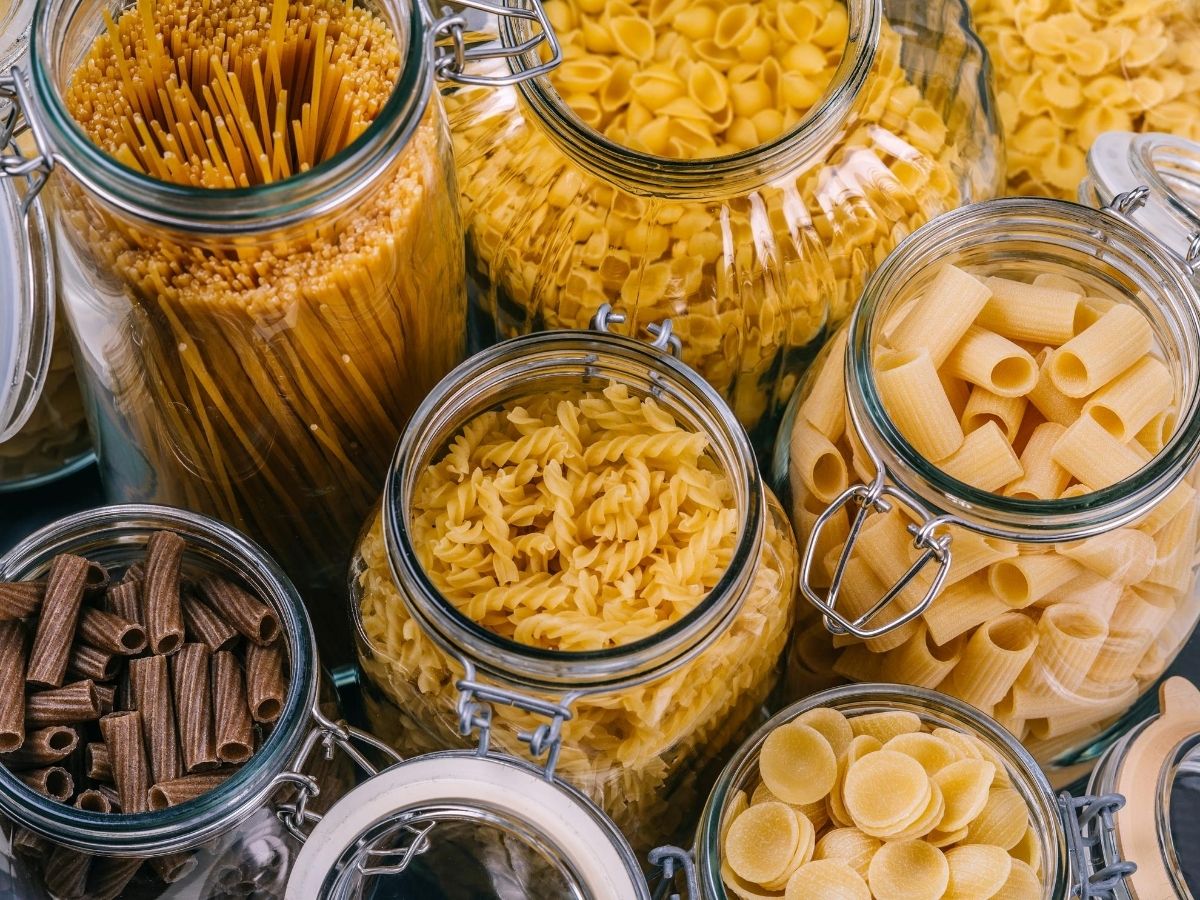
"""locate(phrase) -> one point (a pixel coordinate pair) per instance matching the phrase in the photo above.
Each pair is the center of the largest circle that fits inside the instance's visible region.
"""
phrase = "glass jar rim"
(185, 826)
(661, 176)
(445, 410)
(1046, 220)
(227, 211)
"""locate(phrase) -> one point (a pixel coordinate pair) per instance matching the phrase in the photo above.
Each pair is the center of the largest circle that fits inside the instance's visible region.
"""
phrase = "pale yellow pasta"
(1093, 456)
(961, 608)
(861, 591)
(1029, 312)
(908, 870)
(966, 785)
(883, 726)
(1123, 556)
(939, 838)
(977, 871)
(862, 745)
(1053, 404)
(1002, 822)
(849, 846)
(1070, 637)
(1101, 352)
(994, 656)
(825, 406)
(1022, 883)
(920, 661)
(974, 552)
(817, 462)
(1128, 403)
(1058, 281)
(1029, 849)
(761, 841)
(941, 315)
(1024, 580)
(832, 725)
(913, 394)
(1042, 478)
(985, 460)
(798, 764)
(1176, 543)
(988, 360)
(801, 856)
(826, 880)
(983, 407)
(930, 751)
(885, 791)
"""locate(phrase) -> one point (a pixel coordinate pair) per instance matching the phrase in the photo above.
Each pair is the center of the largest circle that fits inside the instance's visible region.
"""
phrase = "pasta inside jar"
(610, 552)
(1028, 385)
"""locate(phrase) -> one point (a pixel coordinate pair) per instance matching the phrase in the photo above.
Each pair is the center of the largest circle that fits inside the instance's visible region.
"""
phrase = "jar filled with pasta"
(260, 253)
(738, 167)
(993, 473)
(165, 731)
(871, 791)
(574, 532)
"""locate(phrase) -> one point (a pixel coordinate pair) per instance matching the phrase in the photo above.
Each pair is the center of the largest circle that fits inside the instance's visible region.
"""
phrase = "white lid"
(601, 861)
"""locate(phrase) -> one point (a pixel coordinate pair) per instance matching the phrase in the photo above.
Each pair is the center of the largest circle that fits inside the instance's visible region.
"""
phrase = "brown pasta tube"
(124, 599)
(56, 625)
(12, 686)
(43, 747)
(152, 697)
(75, 702)
(110, 875)
(160, 592)
(136, 572)
(205, 626)
(20, 599)
(189, 787)
(114, 799)
(247, 614)
(173, 868)
(88, 662)
(66, 873)
(27, 843)
(96, 760)
(194, 707)
(127, 754)
(93, 800)
(53, 781)
(98, 579)
(125, 698)
(110, 632)
(107, 694)
(231, 715)
(265, 685)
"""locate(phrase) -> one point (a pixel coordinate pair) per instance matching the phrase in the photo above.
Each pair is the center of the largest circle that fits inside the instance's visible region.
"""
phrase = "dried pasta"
(922, 815)
(581, 521)
(1055, 640)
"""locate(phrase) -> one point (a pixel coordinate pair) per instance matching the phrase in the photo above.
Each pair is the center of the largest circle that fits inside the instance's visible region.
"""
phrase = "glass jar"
(916, 623)
(637, 723)
(1064, 827)
(252, 353)
(753, 255)
(236, 840)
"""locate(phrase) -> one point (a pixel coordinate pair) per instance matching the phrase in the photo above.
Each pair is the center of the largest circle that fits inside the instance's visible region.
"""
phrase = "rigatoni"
(12, 686)
(189, 787)
(231, 715)
(941, 316)
(1030, 312)
(56, 623)
(1124, 406)
(1100, 353)
(151, 682)
(913, 394)
(990, 361)
(162, 606)
(20, 599)
(124, 599)
(96, 761)
(66, 872)
(250, 616)
(126, 751)
(266, 686)
(110, 632)
(67, 705)
(43, 747)
(88, 662)
(203, 624)
(53, 781)
(194, 708)
(110, 875)
(985, 460)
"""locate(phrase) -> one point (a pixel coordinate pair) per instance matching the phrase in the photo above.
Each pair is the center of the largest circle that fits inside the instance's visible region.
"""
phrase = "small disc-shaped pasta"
(797, 764)
(762, 841)
(1022, 884)
(1003, 820)
(908, 870)
(850, 846)
(885, 791)
(966, 786)
(940, 838)
(859, 747)
(883, 726)
(977, 871)
(833, 726)
(742, 888)
(826, 879)
(931, 752)
(736, 807)
(1029, 849)
(926, 822)
(804, 852)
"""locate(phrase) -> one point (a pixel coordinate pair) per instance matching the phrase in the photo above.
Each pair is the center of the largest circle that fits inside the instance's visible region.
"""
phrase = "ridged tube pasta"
(817, 462)
(1029, 312)
(921, 662)
(1070, 637)
(1041, 477)
(1101, 352)
(985, 460)
(1025, 580)
(1053, 404)
(1093, 456)
(1128, 403)
(983, 407)
(986, 359)
(941, 316)
(910, 388)
(994, 656)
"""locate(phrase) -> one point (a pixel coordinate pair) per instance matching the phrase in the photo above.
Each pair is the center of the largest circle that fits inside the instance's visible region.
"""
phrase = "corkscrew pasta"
(887, 808)
(581, 521)
(1035, 390)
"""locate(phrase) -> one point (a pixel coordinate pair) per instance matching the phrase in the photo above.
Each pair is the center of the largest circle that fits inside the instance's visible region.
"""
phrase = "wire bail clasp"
(664, 336)
(34, 169)
(1086, 820)
(673, 862)
(448, 35)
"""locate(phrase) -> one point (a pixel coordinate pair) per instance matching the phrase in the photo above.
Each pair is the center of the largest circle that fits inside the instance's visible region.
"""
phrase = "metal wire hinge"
(475, 711)
(673, 861)
(448, 36)
(1086, 820)
(664, 337)
(1129, 202)
(34, 169)
(417, 842)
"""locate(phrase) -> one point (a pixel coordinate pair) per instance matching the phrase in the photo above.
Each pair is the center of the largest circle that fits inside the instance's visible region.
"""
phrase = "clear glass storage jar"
(753, 254)
(1061, 833)
(252, 351)
(238, 840)
(636, 719)
(1086, 596)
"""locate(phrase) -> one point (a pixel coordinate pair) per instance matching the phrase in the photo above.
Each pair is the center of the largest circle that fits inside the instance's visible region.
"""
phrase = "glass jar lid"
(485, 824)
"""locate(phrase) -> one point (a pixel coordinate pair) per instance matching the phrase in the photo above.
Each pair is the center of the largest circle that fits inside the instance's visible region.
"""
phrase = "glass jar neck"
(63, 30)
(658, 176)
(115, 536)
(1064, 236)
(931, 707)
(519, 369)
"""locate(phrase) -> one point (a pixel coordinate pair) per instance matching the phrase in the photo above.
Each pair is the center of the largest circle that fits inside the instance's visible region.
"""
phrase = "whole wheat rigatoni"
(161, 591)
(124, 599)
(127, 753)
(20, 599)
(151, 684)
(250, 616)
(88, 662)
(110, 876)
(96, 762)
(67, 872)
(53, 781)
(204, 625)
(107, 695)
(67, 705)
(189, 787)
(56, 624)
(27, 843)
(43, 747)
(108, 631)
(265, 684)
(93, 800)
(231, 715)
(175, 867)
(194, 707)
(12, 686)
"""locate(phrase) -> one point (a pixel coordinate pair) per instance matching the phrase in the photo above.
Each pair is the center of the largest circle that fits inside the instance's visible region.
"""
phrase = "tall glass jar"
(1063, 828)
(753, 255)
(252, 352)
(962, 578)
(238, 840)
(633, 725)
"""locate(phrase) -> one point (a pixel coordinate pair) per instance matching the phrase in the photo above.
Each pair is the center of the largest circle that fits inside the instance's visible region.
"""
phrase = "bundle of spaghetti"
(265, 378)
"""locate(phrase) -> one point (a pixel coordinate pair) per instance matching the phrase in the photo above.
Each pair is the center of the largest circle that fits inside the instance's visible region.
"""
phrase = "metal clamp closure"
(664, 337)
(673, 861)
(1192, 257)
(1086, 820)
(394, 860)
(294, 812)
(450, 62)
(1128, 202)
(475, 699)
(35, 169)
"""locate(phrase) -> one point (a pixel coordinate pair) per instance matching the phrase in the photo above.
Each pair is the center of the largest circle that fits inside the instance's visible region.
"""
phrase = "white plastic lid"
(601, 862)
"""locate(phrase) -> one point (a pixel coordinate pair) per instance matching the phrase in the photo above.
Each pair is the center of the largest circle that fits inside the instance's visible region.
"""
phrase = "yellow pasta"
(965, 784)
(817, 462)
(1022, 883)
(1070, 637)
(1101, 352)
(1127, 404)
(1053, 404)
(930, 751)
(988, 360)
(1030, 312)
(798, 764)
(913, 394)
(1093, 456)
(826, 879)
(985, 460)
(961, 608)
(908, 870)
(977, 871)
(884, 726)
(940, 317)
(1041, 477)
(1123, 556)
(832, 725)
(850, 846)
(993, 659)
(920, 661)
(761, 841)
(1002, 822)
(983, 406)
(885, 791)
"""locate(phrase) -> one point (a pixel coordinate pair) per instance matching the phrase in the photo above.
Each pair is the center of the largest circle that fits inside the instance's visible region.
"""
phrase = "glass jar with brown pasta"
(574, 523)
(740, 168)
(260, 259)
(1020, 531)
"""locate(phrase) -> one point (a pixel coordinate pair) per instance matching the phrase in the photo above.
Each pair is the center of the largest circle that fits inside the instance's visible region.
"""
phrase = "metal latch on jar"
(1085, 822)
(674, 863)
(664, 337)
(35, 169)
(448, 38)
(1127, 203)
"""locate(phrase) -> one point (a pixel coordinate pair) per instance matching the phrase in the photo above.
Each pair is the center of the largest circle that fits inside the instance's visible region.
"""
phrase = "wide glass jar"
(752, 252)
(1055, 845)
(636, 717)
(239, 839)
(1051, 608)
(253, 327)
